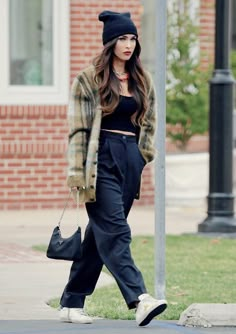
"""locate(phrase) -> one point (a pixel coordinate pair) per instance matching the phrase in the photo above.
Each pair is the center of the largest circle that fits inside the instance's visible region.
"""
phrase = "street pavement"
(104, 327)
(28, 279)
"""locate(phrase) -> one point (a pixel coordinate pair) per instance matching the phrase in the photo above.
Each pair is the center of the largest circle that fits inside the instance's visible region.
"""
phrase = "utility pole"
(160, 83)
(221, 218)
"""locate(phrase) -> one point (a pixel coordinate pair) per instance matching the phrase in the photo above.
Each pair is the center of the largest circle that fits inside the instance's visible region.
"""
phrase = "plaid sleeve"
(78, 135)
(147, 135)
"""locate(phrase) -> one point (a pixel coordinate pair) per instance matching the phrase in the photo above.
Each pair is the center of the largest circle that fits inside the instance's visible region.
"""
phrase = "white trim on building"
(57, 93)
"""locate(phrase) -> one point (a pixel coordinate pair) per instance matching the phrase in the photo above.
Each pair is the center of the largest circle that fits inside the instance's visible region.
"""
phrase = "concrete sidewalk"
(28, 228)
(28, 279)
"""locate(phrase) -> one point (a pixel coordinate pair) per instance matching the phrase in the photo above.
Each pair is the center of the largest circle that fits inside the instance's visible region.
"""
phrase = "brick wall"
(32, 156)
(207, 32)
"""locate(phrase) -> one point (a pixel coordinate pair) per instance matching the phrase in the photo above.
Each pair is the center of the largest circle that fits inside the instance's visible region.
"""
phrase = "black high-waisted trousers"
(108, 236)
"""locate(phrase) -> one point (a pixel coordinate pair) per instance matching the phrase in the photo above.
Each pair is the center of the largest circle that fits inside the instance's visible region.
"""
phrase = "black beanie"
(116, 24)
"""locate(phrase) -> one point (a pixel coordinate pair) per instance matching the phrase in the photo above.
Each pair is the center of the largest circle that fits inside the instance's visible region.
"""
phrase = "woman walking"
(112, 119)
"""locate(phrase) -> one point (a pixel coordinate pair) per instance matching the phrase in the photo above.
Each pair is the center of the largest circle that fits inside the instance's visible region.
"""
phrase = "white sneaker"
(75, 315)
(148, 308)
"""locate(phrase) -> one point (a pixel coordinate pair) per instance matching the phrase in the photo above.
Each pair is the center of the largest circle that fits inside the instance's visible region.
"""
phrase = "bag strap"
(87, 131)
(65, 206)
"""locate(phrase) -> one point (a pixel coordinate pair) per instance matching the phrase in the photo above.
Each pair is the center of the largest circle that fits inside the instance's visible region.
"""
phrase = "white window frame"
(38, 95)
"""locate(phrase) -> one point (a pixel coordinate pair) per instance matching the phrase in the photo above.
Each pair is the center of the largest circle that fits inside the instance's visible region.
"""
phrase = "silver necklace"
(119, 73)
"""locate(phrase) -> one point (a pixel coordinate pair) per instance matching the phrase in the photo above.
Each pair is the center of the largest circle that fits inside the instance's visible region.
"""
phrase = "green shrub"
(187, 86)
(233, 62)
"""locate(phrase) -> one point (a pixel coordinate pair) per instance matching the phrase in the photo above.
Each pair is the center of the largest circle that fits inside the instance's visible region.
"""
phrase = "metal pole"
(160, 82)
(221, 199)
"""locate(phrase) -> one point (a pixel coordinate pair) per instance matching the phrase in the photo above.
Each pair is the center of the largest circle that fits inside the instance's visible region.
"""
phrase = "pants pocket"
(143, 161)
(105, 158)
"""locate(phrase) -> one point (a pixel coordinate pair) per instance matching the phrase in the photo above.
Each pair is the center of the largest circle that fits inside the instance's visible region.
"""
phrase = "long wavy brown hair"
(109, 84)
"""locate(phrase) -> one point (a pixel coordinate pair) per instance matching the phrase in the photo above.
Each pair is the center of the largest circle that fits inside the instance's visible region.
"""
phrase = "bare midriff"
(122, 132)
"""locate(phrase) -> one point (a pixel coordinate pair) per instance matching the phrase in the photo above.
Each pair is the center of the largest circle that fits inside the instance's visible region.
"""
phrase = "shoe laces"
(82, 311)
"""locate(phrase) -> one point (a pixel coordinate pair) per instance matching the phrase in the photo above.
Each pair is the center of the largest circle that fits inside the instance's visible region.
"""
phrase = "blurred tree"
(233, 62)
(187, 87)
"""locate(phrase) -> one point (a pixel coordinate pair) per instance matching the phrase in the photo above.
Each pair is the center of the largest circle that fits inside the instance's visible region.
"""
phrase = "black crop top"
(120, 118)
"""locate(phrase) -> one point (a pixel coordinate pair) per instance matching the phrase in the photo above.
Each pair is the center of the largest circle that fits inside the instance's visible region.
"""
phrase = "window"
(31, 38)
(34, 62)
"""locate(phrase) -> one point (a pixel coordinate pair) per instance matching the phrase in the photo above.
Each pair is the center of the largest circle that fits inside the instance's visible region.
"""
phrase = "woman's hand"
(77, 188)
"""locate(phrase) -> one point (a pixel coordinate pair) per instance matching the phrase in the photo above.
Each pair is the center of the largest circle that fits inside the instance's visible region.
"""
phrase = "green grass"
(40, 248)
(198, 270)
